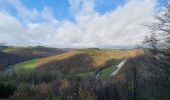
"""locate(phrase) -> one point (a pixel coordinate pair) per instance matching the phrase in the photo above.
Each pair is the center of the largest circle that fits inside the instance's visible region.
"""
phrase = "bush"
(43, 90)
(34, 92)
(6, 90)
(24, 91)
(53, 98)
(86, 94)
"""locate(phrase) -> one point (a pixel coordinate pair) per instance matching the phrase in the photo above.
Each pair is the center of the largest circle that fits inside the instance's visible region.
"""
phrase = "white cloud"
(121, 27)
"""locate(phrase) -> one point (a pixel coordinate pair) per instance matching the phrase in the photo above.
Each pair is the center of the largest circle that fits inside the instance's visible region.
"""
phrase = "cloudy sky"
(75, 23)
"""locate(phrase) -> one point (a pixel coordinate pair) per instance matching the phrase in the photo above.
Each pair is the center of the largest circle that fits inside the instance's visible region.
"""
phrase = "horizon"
(111, 47)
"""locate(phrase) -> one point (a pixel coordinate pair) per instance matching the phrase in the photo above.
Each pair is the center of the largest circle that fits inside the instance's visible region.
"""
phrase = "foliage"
(85, 94)
(6, 89)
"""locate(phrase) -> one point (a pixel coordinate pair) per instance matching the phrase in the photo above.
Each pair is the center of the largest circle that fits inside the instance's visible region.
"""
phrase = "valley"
(93, 61)
(90, 68)
(84, 49)
(70, 66)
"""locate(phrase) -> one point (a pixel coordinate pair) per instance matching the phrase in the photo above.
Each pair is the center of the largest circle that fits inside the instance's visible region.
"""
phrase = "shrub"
(51, 97)
(24, 91)
(85, 94)
(43, 90)
(6, 90)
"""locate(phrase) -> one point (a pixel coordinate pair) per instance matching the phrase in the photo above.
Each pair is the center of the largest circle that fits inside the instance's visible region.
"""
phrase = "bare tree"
(132, 75)
(161, 29)
(158, 42)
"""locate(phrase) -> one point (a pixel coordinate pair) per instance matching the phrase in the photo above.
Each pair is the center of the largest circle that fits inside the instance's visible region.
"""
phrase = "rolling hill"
(33, 52)
(78, 61)
(9, 59)
(12, 55)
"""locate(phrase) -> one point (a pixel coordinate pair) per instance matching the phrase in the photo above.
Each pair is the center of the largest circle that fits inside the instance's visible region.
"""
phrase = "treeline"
(35, 86)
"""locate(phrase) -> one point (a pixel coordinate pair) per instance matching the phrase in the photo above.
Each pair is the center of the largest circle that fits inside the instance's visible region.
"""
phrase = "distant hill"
(3, 47)
(33, 52)
(12, 55)
(9, 59)
(81, 61)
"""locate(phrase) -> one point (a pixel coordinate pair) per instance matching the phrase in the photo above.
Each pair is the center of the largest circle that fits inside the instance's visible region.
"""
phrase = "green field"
(26, 66)
(107, 71)
(84, 75)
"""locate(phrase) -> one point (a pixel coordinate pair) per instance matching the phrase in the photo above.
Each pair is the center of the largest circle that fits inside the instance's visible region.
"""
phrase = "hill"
(79, 61)
(33, 52)
(9, 59)
(12, 55)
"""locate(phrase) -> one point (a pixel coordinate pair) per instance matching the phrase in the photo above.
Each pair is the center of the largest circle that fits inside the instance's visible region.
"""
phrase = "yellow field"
(99, 57)
(57, 58)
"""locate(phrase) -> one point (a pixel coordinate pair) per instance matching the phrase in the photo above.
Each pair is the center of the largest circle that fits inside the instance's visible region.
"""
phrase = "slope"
(9, 59)
(79, 61)
(33, 52)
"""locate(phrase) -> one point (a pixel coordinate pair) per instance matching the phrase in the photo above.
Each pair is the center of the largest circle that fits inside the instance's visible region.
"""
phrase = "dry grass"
(58, 57)
(99, 57)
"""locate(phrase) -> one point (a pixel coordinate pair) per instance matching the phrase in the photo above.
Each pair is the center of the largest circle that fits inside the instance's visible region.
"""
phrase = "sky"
(75, 23)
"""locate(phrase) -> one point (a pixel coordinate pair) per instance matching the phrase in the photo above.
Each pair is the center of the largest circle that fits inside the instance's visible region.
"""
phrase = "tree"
(132, 76)
(158, 42)
(1, 67)
(161, 28)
